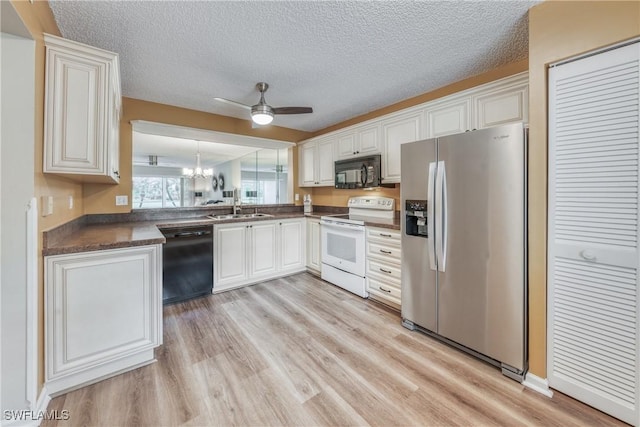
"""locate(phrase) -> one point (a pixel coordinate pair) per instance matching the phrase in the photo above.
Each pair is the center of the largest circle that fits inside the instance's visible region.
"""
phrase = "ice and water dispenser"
(416, 218)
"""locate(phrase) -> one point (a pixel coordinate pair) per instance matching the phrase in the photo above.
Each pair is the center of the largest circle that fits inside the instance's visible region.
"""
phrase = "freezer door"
(419, 297)
(481, 287)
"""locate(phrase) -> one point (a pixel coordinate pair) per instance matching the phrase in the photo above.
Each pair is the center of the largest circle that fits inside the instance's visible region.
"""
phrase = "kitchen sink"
(239, 216)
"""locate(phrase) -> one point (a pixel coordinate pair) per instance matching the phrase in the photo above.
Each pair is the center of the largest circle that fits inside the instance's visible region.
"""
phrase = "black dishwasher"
(187, 270)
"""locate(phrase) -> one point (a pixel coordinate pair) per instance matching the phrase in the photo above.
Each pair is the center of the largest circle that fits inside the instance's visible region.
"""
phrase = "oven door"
(343, 246)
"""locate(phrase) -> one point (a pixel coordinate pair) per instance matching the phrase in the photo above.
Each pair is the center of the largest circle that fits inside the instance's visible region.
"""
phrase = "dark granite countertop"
(101, 232)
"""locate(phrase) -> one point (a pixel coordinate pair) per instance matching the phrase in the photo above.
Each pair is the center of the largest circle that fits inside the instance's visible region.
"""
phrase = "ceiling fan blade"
(292, 110)
(234, 103)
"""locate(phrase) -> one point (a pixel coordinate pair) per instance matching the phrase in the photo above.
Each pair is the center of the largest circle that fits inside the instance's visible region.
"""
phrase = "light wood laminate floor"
(298, 351)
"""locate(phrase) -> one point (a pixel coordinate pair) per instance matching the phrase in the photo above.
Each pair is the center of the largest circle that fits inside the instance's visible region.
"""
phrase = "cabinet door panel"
(263, 248)
(292, 245)
(308, 164)
(76, 115)
(448, 119)
(326, 163)
(368, 141)
(313, 244)
(395, 132)
(230, 254)
(346, 146)
(101, 306)
(501, 107)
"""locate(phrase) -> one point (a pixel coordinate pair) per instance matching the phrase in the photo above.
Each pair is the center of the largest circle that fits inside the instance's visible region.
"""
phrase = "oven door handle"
(342, 225)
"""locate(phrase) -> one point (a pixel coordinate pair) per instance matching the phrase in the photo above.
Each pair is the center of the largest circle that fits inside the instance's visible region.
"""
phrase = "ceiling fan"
(262, 113)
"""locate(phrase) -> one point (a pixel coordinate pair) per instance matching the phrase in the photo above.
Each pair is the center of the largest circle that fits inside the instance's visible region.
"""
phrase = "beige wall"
(329, 196)
(558, 30)
(100, 198)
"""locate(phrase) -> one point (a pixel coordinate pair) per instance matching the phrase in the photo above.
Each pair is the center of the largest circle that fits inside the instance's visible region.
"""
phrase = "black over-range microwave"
(361, 172)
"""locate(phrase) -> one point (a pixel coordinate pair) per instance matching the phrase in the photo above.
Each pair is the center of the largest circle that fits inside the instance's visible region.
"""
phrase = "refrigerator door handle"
(441, 215)
(431, 214)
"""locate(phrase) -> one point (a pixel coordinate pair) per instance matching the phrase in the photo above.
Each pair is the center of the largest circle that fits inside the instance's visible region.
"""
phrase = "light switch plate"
(70, 202)
(122, 200)
(297, 197)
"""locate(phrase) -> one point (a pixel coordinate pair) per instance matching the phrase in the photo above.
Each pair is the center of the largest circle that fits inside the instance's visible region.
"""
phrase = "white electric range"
(343, 241)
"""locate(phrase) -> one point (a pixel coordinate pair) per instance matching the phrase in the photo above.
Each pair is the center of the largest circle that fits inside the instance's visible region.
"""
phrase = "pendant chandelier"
(197, 172)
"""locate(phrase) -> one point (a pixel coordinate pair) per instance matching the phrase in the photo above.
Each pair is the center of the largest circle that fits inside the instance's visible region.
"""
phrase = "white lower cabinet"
(292, 245)
(103, 314)
(250, 252)
(383, 271)
(262, 249)
(314, 249)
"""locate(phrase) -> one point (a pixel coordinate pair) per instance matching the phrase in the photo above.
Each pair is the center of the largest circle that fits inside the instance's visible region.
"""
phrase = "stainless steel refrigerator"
(464, 242)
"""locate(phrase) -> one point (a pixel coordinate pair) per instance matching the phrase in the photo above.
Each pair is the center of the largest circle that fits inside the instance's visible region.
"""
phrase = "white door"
(292, 245)
(593, 231)
(262, 245)
(230, 254)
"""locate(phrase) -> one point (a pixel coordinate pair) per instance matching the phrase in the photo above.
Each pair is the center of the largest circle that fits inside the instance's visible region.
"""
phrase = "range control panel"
(379, 203)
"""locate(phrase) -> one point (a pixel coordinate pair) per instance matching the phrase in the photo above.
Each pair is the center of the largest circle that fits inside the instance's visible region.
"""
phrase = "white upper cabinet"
(82, 111)
(361, 141)
(492, 104)
(346, 145)
(448, 118)
(399, 129)
(316, 160)
(501, 105)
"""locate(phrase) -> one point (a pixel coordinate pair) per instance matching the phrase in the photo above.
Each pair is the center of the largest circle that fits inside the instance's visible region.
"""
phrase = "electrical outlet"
(70, 202)
(47, 205)
(122, 200)
(297, 197)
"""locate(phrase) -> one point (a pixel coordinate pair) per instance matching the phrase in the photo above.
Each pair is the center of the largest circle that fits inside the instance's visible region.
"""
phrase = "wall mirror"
(177, 167)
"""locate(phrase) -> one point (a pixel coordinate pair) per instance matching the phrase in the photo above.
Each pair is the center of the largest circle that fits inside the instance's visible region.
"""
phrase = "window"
(160, 192)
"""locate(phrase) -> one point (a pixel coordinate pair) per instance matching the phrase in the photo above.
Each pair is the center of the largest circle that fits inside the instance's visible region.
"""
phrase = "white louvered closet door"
(593, 231)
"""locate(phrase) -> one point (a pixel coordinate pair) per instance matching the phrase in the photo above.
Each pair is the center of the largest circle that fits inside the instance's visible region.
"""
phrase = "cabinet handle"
(384, 271)
(385, 235)
(385, 252)
(384, 290)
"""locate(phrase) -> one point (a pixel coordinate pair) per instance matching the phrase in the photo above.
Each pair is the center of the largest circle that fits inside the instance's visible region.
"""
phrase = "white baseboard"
(535, 383)
(28, 421)
(43, 400)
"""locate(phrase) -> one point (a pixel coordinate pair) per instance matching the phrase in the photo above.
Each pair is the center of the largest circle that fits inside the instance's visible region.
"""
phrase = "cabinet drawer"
(391, 237)
(390, 254)
(383, 270)
(379, 289)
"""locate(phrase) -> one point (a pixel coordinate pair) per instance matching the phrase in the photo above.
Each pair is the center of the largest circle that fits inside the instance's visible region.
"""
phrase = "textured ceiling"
(343, 58)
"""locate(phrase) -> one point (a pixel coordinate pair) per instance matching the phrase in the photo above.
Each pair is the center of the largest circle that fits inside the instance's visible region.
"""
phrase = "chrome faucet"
(236, 201)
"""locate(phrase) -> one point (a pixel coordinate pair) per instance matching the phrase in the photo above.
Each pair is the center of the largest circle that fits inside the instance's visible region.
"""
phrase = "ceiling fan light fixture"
(261, 114)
